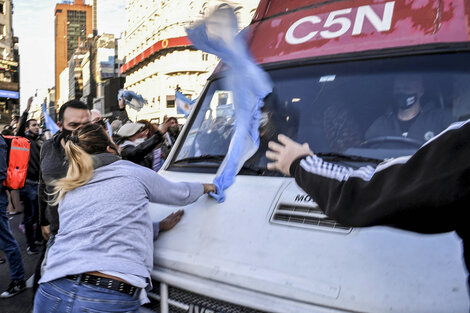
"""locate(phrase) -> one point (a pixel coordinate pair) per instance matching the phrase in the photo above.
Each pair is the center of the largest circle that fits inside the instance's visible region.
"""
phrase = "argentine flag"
(217, 34)
(183, 104)
(50, 124)
(132, 99)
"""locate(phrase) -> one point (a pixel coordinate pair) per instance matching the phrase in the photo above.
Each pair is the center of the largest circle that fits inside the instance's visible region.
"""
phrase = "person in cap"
(136, 145)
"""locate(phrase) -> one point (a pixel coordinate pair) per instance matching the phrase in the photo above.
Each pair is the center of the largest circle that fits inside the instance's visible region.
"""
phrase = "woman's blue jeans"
(67, 296)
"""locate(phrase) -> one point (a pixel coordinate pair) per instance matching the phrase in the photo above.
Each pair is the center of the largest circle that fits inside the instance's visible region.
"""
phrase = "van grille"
(307, 217)
(180, 300)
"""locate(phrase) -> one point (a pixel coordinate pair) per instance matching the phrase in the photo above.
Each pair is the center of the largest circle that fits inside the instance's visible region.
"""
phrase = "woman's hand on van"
(170, 221)
(284, 153)
(209, 188)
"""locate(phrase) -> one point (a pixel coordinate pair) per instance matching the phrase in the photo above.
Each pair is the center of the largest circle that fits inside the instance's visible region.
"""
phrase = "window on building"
(170, 101)
(2, 53)
(2, 31)
(2, 7)
(205, 56)
(76, 30)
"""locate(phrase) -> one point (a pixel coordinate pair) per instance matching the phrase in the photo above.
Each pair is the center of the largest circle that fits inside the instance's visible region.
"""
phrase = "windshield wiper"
(202, 158)
(332, 156)
(257, 170)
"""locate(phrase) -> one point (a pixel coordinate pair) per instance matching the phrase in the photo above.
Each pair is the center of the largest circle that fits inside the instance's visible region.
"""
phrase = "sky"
(33, 24)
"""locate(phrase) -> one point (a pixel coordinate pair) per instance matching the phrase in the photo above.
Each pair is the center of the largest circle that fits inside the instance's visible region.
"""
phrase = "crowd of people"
(87, 239)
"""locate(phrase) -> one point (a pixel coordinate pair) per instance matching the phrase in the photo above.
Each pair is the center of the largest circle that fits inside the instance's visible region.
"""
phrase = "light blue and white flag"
(217, 34)
(110, 130)
(50, 124)
(183, 104)
(132, 99)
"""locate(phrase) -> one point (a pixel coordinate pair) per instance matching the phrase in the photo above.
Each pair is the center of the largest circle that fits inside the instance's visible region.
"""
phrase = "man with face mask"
(29, 193)
(53, 164)
(409, 116)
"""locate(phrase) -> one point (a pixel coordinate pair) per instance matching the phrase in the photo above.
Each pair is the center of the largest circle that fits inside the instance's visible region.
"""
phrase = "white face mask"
(138, 141)
(264, 120)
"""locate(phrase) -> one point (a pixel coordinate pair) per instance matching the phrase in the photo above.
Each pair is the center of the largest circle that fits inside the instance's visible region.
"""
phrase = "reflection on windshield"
(212, 131)
(374, 109)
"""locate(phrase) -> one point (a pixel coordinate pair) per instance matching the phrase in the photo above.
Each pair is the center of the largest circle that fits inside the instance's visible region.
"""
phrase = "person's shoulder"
(48, 143)
(129, 167)
(130, 170)
(54, 141)
(438, 114)
(380, 121)
(51, 146)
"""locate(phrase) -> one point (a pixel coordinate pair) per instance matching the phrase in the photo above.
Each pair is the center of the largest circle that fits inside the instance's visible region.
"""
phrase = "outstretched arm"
(24, 117)
(410, 192)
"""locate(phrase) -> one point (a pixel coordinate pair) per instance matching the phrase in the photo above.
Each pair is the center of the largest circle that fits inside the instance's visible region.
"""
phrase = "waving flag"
(183, 104)
(110, 130)
(132, 99)
(217, 34)
(50, 124)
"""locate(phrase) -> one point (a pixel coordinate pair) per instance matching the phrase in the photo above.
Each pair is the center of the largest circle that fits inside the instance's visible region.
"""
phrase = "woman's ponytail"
(85, 141)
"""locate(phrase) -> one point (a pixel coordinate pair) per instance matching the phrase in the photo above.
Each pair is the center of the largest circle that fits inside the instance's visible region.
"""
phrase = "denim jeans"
(29, 196)
(8, 243)
(67, 296)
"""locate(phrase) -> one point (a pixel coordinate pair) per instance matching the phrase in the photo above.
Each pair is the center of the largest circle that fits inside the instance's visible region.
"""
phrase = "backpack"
(17, 161)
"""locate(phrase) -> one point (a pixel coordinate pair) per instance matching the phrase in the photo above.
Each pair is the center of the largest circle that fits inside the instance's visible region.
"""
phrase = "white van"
(268, 247)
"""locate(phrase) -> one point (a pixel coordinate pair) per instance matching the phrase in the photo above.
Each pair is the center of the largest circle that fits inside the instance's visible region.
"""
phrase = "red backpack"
(17, 160)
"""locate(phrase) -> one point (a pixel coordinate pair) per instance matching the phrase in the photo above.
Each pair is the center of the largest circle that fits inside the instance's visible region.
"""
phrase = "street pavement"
(21, 303)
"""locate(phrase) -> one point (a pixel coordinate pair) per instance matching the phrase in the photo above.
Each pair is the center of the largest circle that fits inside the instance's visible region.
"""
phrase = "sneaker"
(2, 260)
(32, 250)
(15, 287)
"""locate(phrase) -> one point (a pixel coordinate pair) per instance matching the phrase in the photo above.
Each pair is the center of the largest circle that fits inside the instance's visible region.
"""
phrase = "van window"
(349, 112)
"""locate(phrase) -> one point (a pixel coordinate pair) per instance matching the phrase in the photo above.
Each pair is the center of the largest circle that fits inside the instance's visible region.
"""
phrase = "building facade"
(9, 60)
(73, 24)
(76, 74)
(64, 83)
(159, 58)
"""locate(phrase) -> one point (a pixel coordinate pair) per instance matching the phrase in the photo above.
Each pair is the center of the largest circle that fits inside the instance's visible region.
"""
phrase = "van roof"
(284, 30)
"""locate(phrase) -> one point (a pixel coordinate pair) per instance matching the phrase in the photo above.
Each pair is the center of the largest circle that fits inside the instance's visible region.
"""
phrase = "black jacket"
(35, 148)
(428, 192)
(142, 153)
(53, 167)
(429, 123)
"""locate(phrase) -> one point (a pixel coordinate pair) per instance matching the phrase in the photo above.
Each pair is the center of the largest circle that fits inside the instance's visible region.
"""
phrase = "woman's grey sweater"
(105, 225)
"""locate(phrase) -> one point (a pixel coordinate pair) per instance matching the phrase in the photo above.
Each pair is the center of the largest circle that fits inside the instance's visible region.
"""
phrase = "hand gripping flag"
(217, 34)
(183, 104)
(50, 124)
(132, 99)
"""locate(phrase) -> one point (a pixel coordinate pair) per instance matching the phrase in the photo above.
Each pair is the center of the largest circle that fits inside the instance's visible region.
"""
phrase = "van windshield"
(351, 113)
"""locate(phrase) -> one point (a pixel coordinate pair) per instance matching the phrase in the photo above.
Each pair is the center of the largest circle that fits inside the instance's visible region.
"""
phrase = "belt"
(103, 282)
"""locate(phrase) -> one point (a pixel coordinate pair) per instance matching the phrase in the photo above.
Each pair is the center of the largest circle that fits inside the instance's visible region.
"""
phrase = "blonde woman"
(102, 255)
